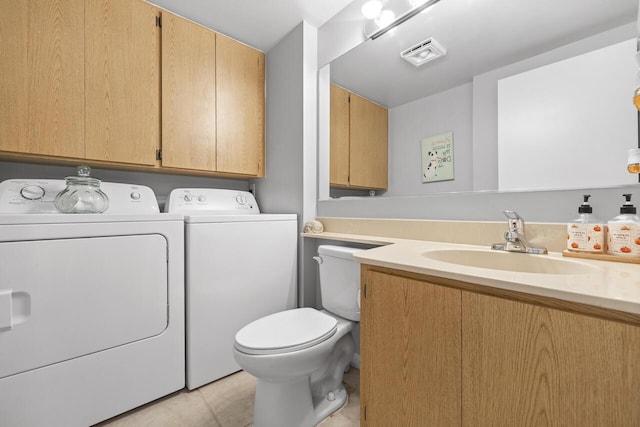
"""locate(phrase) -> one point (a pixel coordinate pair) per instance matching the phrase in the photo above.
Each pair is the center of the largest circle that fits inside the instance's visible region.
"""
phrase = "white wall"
(485, 100)
(569, 124)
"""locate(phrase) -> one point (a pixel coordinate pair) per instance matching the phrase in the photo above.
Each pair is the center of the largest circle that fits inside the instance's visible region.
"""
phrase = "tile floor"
(227, 402)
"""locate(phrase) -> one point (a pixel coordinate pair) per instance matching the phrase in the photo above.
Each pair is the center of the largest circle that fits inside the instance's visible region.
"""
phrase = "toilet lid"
(286, 331)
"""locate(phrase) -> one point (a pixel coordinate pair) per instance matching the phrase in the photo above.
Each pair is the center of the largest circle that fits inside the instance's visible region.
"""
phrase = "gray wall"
(448, 111)
(536, 206)
(160, 183)
(290, 182)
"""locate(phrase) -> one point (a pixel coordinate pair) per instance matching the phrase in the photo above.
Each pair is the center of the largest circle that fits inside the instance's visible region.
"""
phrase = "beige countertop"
(610, 285)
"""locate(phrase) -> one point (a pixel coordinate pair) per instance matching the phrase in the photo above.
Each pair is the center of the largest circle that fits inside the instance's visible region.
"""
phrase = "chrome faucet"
(514, 237)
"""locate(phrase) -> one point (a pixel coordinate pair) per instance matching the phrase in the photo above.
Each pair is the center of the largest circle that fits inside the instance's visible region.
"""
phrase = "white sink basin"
(510, 261)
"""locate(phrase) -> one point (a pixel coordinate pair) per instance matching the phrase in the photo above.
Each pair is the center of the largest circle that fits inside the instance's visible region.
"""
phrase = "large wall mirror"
(557, 78)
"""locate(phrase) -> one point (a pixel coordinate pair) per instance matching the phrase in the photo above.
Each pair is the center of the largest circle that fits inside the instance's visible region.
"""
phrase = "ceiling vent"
(423, 52)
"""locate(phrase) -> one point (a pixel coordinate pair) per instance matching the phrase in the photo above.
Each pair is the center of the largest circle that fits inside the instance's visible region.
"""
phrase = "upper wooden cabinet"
(101, 81)
(359, 142)
(240, 77)
(80, 79)
(42, 83)
(212, 101)
(122, 74)
(339, 136)
(188, 95)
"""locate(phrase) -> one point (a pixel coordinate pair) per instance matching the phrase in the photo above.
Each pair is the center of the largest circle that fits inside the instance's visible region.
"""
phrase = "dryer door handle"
(15, 308)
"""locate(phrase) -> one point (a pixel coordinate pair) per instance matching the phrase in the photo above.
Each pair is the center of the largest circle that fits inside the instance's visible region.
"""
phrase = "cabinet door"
(42, 68)
(525, 365)
(188, 94)
(122, 81)
(339, 137)
(368, 144)
(410, 348)
(240, 108)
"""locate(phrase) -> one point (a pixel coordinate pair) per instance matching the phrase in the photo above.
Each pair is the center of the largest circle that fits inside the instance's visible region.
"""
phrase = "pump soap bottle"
(585, 233)
(624, 231)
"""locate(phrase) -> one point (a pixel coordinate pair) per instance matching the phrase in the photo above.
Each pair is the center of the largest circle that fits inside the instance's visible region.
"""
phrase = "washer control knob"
(241, 199)
(202, 199)
(135, 195)
(188, 197)
(32, 192)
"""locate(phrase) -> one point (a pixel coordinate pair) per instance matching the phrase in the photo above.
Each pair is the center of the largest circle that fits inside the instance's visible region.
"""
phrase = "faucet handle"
(512, 215)
(516, 222)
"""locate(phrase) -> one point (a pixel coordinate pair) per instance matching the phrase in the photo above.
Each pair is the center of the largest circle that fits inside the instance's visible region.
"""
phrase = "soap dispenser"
(624, 231)
(585, 233)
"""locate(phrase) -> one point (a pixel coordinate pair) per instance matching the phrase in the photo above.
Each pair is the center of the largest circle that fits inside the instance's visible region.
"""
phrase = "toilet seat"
(285, 332)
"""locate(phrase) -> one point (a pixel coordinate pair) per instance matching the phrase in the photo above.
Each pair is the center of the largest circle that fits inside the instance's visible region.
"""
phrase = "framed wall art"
(437, 158)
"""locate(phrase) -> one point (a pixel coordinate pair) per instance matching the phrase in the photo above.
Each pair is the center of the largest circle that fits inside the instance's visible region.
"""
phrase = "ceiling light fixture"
(371, 9)
(423, 52)
(402, 18)
(385, 18)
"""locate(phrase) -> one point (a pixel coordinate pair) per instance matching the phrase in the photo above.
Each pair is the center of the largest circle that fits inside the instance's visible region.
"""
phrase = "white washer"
(91, 305)
(240, 265)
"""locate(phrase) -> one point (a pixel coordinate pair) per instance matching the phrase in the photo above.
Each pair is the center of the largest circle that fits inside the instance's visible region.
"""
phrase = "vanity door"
(527, 365)
(410, 352)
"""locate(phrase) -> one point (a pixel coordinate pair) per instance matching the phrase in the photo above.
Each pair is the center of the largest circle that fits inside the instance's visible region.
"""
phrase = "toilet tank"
(340, 281)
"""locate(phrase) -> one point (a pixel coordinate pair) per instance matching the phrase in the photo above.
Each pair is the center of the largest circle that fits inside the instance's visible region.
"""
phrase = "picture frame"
(437, 158)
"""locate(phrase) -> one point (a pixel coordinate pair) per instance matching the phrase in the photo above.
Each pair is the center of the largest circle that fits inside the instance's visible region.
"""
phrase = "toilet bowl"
(299, 356)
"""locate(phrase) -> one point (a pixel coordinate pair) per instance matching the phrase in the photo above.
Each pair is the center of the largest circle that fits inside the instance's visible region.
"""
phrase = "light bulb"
(386, 18)
(371, 9)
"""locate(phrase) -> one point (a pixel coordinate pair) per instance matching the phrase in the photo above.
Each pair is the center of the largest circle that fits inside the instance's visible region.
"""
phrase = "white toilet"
(299, 356)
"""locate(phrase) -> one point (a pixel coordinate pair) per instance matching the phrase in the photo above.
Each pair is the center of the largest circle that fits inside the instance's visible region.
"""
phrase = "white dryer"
(240, 265)
(91, 305)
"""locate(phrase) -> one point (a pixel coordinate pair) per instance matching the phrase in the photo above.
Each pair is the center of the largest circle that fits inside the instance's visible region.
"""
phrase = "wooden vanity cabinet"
(410, 352)
(358, 141)
(528, 365)
(520, 360)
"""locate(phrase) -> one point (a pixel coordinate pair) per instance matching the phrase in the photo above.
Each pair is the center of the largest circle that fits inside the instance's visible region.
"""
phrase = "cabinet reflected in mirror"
(359, 142)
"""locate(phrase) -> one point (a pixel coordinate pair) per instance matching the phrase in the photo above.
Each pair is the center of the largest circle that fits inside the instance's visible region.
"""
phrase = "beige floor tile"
(338, 420)
(349, 415)
(183, 409)
(227, 402)
(231, 399)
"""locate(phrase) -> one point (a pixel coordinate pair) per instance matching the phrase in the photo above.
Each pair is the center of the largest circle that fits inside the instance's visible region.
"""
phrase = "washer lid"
(286, 331)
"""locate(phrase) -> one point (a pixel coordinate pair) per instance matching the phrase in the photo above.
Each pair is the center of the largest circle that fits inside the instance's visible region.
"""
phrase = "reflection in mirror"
(488, 44)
